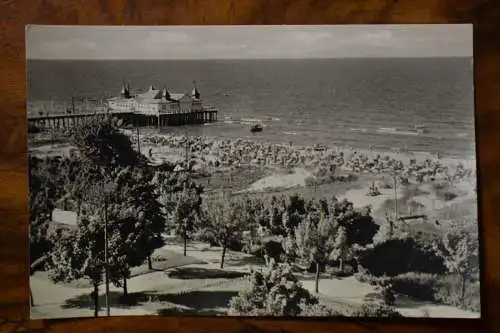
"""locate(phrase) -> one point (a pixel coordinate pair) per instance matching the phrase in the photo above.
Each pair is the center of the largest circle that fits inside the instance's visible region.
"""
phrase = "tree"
(251, 213)
(102, 142)
(315, 241)
(100, 204)
(80, 175)
(225, 222)
(340, 248)
(166, 185)
(128, 203)
(80, 255)
(294, 213)
(145, 235)
(125, 250)
(275, 219)
(43, 192)
(387, 230)
(273, 291)
(171, 188)
(358, 223)
(113, 193)
(460, 250)
(111, 235)
(106, 155)
(186, 214)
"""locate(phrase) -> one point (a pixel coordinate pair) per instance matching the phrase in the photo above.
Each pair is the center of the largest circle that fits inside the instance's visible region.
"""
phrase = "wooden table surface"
(14, 15)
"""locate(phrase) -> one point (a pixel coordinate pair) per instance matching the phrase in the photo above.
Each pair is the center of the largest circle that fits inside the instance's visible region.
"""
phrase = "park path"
(342, 293)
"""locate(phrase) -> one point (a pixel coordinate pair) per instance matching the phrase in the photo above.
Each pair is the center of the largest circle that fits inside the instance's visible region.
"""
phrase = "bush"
(336, 272)
(398, 256)
(376, 310)
(388, 296)
(384, 294)
(311, 181)
(439, 186)
(274, 291)
(366, 278)
(236, 245)
(418, 286)
(448, 195)
(446, 192)
(348, 178)
(318, 310)
(312, 267)
(430, 287)
(449, 291)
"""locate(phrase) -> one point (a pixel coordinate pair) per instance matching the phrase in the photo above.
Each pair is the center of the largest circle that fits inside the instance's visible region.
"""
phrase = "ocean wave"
(289, 133)
(393, 130)
(250, 120)
(364, 130)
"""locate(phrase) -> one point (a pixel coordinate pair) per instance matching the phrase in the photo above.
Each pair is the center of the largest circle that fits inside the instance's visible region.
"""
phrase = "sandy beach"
(286, 168)
(237, 152)
(293, 167)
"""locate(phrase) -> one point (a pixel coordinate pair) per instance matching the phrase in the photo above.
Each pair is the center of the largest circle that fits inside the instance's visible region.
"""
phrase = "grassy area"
(329, 190)
(236, 179)
(194, 285)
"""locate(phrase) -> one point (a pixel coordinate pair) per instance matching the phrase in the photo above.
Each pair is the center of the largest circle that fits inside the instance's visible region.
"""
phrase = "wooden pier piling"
(64, 120)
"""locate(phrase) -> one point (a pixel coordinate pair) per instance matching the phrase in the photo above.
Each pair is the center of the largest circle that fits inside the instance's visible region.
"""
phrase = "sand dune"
(296, 179)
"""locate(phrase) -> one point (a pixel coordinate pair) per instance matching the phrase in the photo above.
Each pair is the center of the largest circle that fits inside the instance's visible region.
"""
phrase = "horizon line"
(267, 58)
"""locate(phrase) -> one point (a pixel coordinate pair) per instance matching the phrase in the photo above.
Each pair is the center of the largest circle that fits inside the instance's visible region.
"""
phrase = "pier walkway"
(68, 119)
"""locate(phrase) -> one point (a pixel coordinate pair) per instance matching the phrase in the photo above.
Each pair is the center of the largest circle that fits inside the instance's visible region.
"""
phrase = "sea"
(359, 103)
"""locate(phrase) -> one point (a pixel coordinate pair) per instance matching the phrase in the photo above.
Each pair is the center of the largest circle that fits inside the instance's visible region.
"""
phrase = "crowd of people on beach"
(224, 153)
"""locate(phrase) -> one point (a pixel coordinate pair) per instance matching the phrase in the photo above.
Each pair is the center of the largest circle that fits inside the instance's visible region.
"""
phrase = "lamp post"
(138, 140)
(395, 197)
(106, 270)
(107, 191)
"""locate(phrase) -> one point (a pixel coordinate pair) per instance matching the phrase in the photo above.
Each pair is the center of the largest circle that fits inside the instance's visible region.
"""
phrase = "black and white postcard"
(252, 171)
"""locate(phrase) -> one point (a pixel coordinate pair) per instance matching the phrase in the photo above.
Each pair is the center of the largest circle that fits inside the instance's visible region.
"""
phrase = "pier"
(59, 120)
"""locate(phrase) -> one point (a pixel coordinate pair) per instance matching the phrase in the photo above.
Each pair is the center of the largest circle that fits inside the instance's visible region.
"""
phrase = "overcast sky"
(243, 42)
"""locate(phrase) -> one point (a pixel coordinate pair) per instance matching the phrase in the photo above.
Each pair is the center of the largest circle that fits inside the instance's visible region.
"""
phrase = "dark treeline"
(112, 190)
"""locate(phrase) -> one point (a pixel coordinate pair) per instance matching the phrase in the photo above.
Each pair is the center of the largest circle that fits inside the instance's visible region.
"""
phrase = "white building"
(64, 217)
(156, 101)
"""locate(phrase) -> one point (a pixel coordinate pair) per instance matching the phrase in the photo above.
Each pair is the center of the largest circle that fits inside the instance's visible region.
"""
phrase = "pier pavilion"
(154, 107)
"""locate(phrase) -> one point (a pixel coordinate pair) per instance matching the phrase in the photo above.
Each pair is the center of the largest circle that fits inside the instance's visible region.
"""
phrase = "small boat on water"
(256, 128)
(421, 129)
(319, 147)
